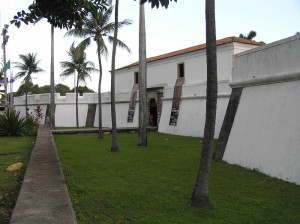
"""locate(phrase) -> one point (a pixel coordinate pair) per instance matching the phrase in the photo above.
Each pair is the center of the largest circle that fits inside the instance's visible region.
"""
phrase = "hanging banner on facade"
(176, 101)
(132, 103)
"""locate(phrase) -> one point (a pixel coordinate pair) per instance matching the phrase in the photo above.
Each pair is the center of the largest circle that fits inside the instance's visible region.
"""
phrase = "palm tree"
(114, 146)
(251, 35)
(28, 65)
(82, 67)
(97, 26)
(52, 90)
(200, 196)
(142, 137)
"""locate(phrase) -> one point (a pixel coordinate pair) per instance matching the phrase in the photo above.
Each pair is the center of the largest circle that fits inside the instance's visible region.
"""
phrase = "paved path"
(44, 196)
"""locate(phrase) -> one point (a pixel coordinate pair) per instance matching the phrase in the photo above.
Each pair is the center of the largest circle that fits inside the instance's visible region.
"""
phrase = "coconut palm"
(79, 65)
(114, 145)
(142, 137)
(97, 26)
(200, 196)
(52, 90)
(28, 65)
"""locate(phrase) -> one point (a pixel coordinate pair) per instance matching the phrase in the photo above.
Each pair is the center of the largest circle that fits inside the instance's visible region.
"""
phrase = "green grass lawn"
(154, 184)
(12, 150)
(64, 128)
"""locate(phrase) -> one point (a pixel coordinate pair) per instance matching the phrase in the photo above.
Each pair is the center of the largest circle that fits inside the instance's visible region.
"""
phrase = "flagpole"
(5, 39)
(74, 82)
(11, 90)
(71, 50)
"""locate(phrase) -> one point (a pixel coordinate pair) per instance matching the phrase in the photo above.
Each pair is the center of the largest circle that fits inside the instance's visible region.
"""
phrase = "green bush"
(30, 127)
(11, 123)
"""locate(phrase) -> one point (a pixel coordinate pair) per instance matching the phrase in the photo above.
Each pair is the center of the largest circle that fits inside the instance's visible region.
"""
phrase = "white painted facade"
(161, 74)
(266, 129)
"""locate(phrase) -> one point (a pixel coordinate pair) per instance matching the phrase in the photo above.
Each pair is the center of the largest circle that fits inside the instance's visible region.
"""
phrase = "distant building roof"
(195, 48)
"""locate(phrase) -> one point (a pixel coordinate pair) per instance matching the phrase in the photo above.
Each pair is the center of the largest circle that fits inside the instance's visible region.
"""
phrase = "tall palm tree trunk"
(142, 138)
(26, 102)
(200, 197)
(26, 93)
(114, 147)
(100, 131)
(77, 122)
(52, 102)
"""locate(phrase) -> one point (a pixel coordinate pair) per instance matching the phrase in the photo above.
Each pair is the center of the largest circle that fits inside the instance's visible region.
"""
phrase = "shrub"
(11, 123)
(39, 115)
(30, 126)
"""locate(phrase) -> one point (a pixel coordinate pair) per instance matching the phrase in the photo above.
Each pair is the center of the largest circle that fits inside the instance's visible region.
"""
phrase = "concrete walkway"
(44, 196)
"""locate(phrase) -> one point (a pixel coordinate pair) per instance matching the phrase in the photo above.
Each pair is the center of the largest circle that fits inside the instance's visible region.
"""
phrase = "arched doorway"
(153, 111)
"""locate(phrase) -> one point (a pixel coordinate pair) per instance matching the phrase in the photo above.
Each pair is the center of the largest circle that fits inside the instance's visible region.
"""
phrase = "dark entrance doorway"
(153, 111)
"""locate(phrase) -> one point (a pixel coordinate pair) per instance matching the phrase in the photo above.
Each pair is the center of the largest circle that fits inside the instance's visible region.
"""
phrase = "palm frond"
(120, 44)
(78, 33)
(27, 66)
(67, 72)
(67, 64)
(83, 45)
(107, 15)
(125, 23)
(20, 75)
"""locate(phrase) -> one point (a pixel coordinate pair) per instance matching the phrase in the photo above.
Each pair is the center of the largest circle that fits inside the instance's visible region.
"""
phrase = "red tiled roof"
(195, 48)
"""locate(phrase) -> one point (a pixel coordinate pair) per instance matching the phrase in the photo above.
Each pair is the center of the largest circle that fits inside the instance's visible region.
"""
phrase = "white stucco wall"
(33, 101)
(164, 72)
(191, 120)
(266, 130)
(65, 107)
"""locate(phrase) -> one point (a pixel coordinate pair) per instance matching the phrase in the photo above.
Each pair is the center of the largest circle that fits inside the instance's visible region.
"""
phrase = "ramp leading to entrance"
(44, 196)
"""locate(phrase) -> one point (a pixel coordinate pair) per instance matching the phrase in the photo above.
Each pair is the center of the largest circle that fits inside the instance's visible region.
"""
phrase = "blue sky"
(181, 25)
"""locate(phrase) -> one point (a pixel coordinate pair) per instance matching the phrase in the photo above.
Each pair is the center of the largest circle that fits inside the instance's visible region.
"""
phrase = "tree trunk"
(200, 197)
(142, 138)
(52, 102)
(114, 147)
(26, 92)
(26, 102)
(77, 122)
(100, 131)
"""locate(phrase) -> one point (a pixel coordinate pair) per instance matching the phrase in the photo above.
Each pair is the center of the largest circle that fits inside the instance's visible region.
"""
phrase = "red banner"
(132, 103)
(176, 101)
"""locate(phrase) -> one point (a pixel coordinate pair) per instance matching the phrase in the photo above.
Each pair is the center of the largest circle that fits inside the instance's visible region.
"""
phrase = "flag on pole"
(8, 65)
(11, 81)
(11, 77)
(72, 48)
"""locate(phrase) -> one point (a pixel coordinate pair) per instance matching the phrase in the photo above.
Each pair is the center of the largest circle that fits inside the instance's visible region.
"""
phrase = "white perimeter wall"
(266, 130)
(161, 73)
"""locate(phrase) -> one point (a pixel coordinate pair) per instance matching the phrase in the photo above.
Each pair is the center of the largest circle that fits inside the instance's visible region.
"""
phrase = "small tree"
(62, 89)
(82, 89)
